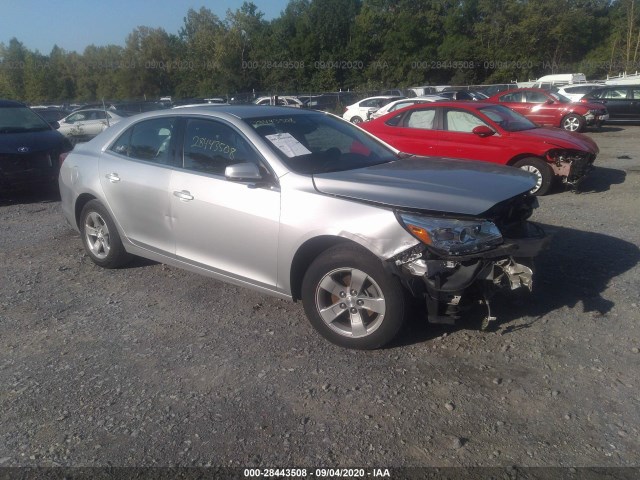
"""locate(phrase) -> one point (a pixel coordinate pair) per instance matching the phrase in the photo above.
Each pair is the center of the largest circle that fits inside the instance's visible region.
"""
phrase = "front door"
(227, 227)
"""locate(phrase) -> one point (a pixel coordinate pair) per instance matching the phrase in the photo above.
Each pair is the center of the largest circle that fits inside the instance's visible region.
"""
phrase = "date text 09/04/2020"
(318, 472)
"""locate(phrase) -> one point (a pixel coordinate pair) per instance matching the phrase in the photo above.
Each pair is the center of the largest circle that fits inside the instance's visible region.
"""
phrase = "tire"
(542, 171)
(356, 120)
(573, 123)
(367, 317)
(100, 237)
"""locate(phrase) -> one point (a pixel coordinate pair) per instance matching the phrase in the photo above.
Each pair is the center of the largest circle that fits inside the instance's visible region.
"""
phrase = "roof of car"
(10, 104)
(242, 111)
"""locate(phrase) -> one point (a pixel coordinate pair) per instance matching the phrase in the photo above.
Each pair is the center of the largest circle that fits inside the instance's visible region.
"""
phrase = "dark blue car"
(30, 149)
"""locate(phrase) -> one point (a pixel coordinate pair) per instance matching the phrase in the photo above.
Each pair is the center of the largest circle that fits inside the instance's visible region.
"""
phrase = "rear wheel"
(356, 120)
(351, 300)
(100, 236)
(573, 123)
(542, 171)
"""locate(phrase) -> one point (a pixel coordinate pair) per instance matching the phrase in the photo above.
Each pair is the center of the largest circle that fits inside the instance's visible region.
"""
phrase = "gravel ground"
(153, 366)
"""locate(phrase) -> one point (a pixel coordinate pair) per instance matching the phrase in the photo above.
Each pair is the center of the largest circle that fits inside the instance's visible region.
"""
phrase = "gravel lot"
(154, 366)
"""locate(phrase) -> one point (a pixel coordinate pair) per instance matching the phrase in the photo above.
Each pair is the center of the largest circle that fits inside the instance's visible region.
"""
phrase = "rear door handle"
(112, 177)
(184, 195)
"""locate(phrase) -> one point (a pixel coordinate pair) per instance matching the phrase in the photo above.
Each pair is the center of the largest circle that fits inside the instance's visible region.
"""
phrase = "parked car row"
(540, 106)
(490, 133)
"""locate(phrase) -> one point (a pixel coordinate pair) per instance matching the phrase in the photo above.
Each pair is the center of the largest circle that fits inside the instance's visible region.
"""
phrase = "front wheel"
(542, 171)
(356, 120)
(573, 123)
(351, 300)
(100, 236)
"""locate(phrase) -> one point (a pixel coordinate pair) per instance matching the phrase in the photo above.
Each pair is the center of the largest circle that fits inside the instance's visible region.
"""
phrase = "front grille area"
(580, 167)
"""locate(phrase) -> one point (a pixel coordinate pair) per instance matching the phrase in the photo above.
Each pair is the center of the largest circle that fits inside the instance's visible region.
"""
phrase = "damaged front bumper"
(451, 285)
(571, 166)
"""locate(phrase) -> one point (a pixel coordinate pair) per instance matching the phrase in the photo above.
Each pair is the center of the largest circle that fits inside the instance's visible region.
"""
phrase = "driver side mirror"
(242, 172)
(483, 131)
(549, 101)
(55, 125)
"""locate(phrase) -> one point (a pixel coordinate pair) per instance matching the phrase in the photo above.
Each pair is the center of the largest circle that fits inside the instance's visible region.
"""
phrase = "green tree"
(14, 57)
(199, 72)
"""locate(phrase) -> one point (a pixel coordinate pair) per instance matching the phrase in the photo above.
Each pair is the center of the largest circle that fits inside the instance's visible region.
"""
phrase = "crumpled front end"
(572, 166)
(453, 283)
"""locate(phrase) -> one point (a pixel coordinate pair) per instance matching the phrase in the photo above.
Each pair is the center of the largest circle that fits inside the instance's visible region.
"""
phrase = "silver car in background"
(303, 205)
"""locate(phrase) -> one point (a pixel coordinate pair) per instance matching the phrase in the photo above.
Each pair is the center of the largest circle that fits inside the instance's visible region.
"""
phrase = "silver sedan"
(305, 206)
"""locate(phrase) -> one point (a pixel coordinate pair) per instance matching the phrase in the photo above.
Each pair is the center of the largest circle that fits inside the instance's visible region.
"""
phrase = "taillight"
(584, 100)
(63, 157)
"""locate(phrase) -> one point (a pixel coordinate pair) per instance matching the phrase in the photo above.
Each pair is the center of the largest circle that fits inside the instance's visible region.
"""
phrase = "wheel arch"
(521, 156)
(82, 200)
(307, 252)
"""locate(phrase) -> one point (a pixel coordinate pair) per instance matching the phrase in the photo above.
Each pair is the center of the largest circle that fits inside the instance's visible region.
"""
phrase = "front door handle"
(184, 195)
(112, 177)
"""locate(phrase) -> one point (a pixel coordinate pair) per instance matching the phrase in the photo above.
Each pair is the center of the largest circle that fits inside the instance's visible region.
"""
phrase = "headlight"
(451, 236)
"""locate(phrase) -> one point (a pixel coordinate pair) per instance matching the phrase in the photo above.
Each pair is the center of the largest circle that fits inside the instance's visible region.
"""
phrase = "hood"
(560, 138)
(424, 183)
(35, 142)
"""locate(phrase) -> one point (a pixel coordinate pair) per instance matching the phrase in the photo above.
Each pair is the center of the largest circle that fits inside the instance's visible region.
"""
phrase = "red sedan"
(491, 133)
(552, 109)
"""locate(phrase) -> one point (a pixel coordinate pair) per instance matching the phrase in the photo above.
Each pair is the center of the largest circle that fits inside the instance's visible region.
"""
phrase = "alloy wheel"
(350, 302)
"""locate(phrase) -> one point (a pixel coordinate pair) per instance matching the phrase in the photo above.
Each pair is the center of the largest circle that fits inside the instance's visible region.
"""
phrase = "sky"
(75, 24)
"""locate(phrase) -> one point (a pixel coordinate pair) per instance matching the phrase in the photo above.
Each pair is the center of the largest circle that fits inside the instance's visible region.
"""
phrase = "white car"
(283, 101)
(360, 111)
(405, 102)
(82, 125)
(577, 91)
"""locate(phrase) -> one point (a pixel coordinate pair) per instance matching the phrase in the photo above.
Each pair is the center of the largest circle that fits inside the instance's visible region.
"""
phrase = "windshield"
(313, 143)
(21, 119)
(507, 119)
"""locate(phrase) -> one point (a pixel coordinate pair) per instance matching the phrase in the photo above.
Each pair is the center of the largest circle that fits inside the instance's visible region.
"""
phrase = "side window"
(536, 97)
(635, 93)
(370, 103)
(148, 140)
(459, 121)
(615, 94)
(400, 105)
(512, 97)
(211, 146)
(421, 119)
(76, 117)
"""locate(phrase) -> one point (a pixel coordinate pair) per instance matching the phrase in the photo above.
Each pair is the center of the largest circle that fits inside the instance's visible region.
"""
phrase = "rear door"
(135, 174)
(415, 132)
(515, 101)
(618, 102)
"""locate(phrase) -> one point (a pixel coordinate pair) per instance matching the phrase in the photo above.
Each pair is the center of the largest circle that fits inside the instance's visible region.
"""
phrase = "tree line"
(331, 45)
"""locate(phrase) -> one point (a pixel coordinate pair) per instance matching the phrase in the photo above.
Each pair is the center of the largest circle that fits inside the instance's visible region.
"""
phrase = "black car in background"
(51, 114)
(30, 149)
(622, 101)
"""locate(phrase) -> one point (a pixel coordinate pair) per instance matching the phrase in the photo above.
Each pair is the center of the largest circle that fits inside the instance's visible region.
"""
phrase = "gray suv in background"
(304, 206)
